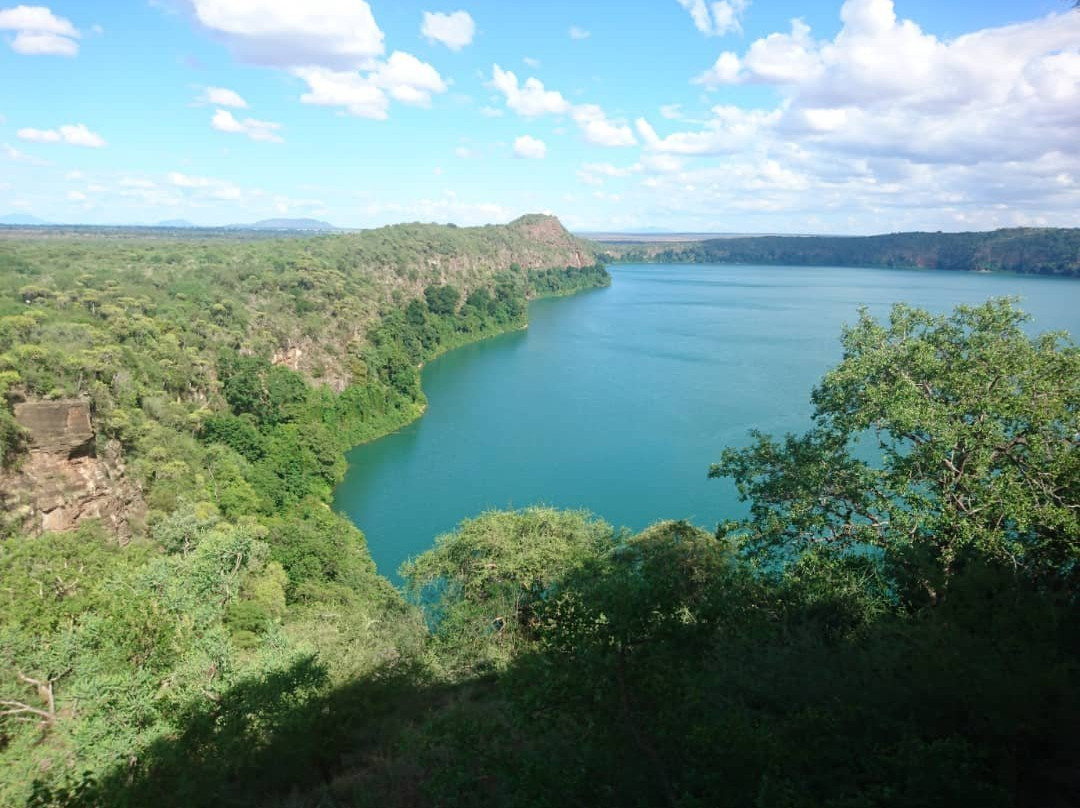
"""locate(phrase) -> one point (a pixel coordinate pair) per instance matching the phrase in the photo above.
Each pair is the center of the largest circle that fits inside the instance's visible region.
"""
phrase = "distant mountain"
(285, 224)
(175, 223)
(22, 219)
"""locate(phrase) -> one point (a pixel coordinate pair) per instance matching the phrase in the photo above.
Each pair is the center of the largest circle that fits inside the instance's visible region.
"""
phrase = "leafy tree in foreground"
(973, 429)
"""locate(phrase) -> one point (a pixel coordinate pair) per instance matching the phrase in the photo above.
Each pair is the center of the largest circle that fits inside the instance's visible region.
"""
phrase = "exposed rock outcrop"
(65, 477)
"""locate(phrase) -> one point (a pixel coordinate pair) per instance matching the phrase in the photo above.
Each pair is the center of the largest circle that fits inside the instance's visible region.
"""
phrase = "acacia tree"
(940, 440)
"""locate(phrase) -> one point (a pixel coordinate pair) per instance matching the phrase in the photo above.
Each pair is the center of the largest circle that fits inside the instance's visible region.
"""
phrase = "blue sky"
(861, 116)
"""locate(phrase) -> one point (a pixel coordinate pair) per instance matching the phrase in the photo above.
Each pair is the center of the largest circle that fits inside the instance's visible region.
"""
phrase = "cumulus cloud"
(717, 18)
(597, 129)
(16, 156)
(335, 47)
(455, 30)
(209, 187)
(76, 196)
(882, 127)
(402, 77)
(724, 71)
(225, 121)
(39, 32)
(336, 34)
(531, 99)
(530, 148)
(351, 91)
(884, 86)
(729, 130)
(221, 97)
(72, 134)
(407, 79)
(576, 32)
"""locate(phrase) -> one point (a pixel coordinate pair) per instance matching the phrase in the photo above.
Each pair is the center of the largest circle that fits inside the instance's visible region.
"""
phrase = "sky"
(747, 116)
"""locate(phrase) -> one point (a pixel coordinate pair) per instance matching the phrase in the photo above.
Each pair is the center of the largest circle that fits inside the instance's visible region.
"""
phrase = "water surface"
(617, 400)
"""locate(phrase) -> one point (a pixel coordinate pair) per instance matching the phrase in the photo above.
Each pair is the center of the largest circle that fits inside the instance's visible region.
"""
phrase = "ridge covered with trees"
(1043, 251)
(894, 623)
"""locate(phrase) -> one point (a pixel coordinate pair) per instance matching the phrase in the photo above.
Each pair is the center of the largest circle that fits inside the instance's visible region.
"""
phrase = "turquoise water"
(617, 400)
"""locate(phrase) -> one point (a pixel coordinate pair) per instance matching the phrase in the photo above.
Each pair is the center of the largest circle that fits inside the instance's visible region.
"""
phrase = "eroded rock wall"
(65, 477)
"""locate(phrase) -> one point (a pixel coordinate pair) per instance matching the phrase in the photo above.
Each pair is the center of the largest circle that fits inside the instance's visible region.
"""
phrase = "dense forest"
(894, 626)
(1045, 251)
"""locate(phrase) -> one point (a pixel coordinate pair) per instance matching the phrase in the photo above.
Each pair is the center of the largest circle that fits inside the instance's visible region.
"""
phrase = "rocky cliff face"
(548, 233)
(65, 477)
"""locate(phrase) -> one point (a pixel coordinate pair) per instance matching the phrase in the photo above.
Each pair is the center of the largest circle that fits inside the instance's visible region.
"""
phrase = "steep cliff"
(63, 479)
(111, 350)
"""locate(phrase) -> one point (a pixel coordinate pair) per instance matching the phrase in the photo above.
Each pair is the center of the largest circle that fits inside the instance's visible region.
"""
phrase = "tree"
(938, 440)
(442, 300)
(487, 580)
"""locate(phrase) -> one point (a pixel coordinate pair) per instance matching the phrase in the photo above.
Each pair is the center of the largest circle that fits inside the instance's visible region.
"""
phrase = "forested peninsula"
(184, 621)
(1044, 251)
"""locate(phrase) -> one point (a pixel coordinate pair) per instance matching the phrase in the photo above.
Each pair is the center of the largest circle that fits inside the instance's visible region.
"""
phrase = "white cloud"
(16, 156)
(403, 77)
(530, 62)
(596, 173)
(76, 196)
(883, 127)
(455, 30)
(716, 18)
(724, 71)
(221, 97)
(530, 148)
(225, 121)
(336, 34)
(407, 79)
(35, 18)
(882, 86)
(39, 32)
(72, 134)
(331, 88)
(29, 43)
(202, 188)
(187, 181)
(491, 112)
(661, 163)
(578, 33)
(598, 130)
(729, 130)
(136, 182)
(529, 99)
(39, 135)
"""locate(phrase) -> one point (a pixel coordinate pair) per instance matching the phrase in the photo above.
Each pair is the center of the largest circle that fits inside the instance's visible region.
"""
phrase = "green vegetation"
(236, 570)
(893, 624)
(1045, 251)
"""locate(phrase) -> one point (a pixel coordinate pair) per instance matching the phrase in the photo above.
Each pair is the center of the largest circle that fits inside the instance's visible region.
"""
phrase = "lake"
(617, 400)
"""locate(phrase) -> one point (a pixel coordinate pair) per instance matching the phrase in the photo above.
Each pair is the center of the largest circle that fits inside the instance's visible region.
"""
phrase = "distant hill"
(653, 236)
(176, 223)
(1046, 251)
(285, 224)
(22, 219)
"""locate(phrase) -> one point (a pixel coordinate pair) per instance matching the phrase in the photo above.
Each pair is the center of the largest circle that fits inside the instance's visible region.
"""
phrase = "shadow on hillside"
(276, 739)
(971, 703)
